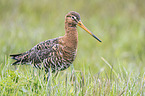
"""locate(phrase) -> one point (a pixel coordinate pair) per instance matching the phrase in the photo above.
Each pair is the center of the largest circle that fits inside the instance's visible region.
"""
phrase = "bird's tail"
(16, 57)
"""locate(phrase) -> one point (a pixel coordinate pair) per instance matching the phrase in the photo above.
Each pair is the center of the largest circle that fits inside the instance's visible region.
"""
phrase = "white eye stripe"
(73, 17)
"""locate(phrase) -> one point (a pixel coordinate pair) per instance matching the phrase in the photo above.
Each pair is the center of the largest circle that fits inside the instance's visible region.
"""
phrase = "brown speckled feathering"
(58, 53)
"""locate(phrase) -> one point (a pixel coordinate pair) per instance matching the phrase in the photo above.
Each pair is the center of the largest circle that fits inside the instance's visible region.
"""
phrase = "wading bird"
(55, 54)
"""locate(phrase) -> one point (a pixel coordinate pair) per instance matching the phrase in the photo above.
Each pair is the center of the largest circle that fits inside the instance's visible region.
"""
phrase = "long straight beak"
(82, 26)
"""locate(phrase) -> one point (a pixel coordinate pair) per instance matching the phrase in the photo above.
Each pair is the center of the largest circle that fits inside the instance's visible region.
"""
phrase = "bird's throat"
(71, 36)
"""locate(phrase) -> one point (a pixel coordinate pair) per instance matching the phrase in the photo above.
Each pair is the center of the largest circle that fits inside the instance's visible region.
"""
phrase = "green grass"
(114, 67)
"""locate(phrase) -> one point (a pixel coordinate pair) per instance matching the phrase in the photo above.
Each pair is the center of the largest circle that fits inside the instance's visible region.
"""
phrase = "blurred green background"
(120, 24)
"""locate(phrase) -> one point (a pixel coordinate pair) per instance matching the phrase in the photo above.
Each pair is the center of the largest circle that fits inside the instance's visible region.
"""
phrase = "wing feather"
(37, 54)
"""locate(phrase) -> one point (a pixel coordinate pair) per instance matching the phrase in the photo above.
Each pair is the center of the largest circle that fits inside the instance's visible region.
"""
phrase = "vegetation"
(114, 67)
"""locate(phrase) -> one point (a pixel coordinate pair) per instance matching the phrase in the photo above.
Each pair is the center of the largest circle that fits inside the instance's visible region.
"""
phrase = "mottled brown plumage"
(58, 53)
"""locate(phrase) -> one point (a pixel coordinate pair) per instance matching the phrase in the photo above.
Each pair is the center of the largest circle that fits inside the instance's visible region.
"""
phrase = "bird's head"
(73, 19)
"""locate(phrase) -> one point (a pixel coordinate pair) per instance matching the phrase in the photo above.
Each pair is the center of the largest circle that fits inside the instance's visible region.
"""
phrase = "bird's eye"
(73, 17)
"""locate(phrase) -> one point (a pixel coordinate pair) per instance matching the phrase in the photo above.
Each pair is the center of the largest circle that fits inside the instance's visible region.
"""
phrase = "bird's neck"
(71, 36)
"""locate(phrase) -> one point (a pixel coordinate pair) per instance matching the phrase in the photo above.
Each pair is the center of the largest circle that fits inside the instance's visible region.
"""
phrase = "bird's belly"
(59, 60)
